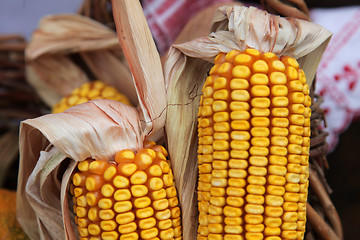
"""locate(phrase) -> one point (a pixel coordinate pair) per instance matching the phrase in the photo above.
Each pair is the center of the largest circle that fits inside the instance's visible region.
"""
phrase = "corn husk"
(51, 67)
(186, 68)
(52, 145)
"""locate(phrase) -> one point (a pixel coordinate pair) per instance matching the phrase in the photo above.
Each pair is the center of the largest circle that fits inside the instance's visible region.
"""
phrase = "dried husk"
(53, 72)
(95, 129)
(234, 27)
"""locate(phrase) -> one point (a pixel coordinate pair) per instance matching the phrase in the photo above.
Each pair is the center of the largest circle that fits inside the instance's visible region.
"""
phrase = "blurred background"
(338, 83)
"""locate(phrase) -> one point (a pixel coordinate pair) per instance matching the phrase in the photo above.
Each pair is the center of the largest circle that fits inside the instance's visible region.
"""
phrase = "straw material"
(234, 27)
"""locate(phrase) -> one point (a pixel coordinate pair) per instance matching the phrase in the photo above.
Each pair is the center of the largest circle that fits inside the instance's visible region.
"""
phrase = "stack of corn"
(133, 197)
(254, 129)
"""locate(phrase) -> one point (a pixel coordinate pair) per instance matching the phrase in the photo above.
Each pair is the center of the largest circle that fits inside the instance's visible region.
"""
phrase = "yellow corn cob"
(87, 92)
(254, 129)
(133, 197)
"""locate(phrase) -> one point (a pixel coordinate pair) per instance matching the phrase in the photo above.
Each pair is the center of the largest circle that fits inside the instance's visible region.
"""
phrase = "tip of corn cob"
(90, 91)
(131, 197)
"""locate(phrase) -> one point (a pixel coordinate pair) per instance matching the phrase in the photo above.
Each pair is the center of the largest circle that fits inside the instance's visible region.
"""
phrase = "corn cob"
(87, 92)
(253, 129)
(133, 197)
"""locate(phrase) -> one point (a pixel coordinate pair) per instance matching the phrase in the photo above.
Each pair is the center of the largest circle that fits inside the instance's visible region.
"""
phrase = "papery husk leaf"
(54, 77)
(144, 61)
(108, 66)
(96, 129)
(53, 72)
(69, 33)
(235, 27)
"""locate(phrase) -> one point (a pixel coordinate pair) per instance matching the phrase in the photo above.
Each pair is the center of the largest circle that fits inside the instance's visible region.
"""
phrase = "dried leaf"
(186, 68)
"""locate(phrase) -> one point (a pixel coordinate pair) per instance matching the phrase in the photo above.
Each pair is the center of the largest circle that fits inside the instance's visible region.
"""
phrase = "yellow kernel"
(239, 115)
(279, 90)
(290, 216)
(121, 182)
(94, 229)
(242, 59)
(277, 170)
(260, 141)
(254, 228)
(239, 154)
(255, 189)
(260, 66)
(260, 112)
(291, 73)
(129, 236)
(222, 127)
(259, 132)
(260, 122)
(279, 141)
(105, 203)
(259, 78)
(292, 177)
(241, 71)
(144, 212)
(257, 171)
(256, 180)
(225, 69)
(291, 197)
(240, 125)
(112, 235)
(276, 180)
(273, 211)
(254, 199)
(232, 211)
(275, 190)
(139, 177)
(123, 206)
(280, 101)
(94, 182)
(220, 83)
(258, 161)
(239, 84)
(220, 145)
(259, 102)
(236, 182)
(234, 191)
(276, 131)
(106, 214)
(231, 55)
(273, 232)
(260, 91)
(222, 94)
(279, 112)
(93, 214)
(235, 201)
(142, 202)
(240, 135)
(108, 225)
(221, 136)
(127, 228)
(124, 218)
(122, 194)
(259, 151)
(275, 201)
(240, 145)
(290, 206)
(170, 192)
(233, 221)
(280, 122)
(254, 218)
(233, 230)
(240, 95)
(277, 65)
(278, 160)
(221, 117)
(277, 78)
(237, 105)
(279, 151)
(79, 179)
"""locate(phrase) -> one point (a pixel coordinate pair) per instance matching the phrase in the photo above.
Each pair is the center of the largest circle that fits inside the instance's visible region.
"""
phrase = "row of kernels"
(205, 158)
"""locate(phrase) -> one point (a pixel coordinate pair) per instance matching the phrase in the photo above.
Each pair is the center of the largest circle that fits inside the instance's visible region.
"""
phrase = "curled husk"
(52, 145)
(186, 67)
(62, 45)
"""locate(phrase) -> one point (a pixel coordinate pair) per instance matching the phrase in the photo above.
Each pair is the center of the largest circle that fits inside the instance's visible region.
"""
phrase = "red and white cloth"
(338, 77)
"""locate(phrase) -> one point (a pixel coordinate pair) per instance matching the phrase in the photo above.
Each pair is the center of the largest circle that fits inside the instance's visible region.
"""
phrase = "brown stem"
(319, 225)
(326, 202)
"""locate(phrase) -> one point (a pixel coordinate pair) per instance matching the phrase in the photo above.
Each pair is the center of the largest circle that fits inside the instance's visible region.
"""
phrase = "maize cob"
(133, 197)
(253, 129)
(87, 92)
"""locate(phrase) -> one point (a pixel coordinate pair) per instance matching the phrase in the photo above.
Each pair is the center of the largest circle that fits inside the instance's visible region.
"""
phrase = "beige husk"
(234, 27)
(95, 129)
(52, 71)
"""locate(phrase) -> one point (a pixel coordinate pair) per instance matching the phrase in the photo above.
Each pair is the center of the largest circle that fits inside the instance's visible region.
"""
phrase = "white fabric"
(338, 74)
